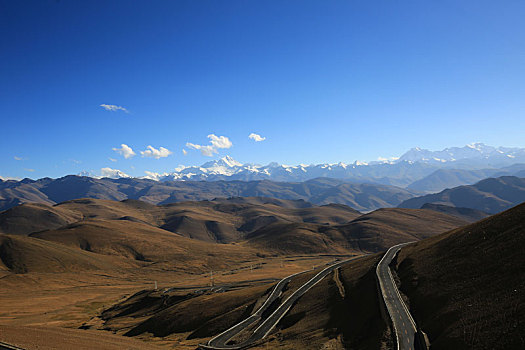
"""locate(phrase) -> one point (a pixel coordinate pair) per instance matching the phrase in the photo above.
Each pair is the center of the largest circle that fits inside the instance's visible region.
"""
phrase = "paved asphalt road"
(220, 340)
(5, 346)
(269, 323)
(404, 324)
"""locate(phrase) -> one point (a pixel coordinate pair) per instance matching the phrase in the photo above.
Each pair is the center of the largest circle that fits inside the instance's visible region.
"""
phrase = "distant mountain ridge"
(475, 153)
(363, 197)
(491, 195)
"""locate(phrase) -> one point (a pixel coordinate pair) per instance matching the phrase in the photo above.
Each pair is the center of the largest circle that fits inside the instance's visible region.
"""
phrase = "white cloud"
(112, 159)
(217, 142)
(383, 159)
(184, 152)
(125, 151)
(156, 153)
(151, 175)
(205, 150)
(256, 138)
(220, 141)
(18, 158)
(30, 170)
(112, 173)
(113, 108)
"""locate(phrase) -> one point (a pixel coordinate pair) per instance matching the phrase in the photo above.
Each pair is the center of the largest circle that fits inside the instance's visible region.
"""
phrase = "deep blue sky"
(323, 81)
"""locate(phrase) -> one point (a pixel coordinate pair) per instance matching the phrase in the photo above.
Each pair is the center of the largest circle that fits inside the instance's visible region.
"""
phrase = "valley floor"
(35, 307)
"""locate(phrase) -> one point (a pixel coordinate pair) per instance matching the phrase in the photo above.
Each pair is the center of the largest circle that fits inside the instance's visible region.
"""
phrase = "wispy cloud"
(112, 159)
(18, 158)
(28, 169)
(184, 152)
(113, 108)
(216, 143)
(256, 137)
(124, 150)
(152, 152)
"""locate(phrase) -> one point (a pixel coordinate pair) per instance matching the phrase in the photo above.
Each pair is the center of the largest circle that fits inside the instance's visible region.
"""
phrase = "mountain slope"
(143, 243)
(33, 217)
(447, 178)
(25, 254)
(490, 195)
(372, 232)
(466, 286)
(467, 214)
(384, 228)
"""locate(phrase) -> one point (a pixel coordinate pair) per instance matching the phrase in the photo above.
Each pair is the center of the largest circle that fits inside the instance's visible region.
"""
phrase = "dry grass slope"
(466, 286)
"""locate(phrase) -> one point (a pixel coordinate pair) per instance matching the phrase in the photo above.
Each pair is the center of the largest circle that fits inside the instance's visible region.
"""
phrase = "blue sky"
(322, 81)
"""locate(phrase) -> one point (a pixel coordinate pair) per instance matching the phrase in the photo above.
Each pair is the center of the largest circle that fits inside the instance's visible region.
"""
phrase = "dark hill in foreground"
(466, 287)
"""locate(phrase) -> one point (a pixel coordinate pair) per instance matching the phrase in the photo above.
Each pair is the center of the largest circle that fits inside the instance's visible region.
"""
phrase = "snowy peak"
(474, 152)
(226, 161)
(416, 160)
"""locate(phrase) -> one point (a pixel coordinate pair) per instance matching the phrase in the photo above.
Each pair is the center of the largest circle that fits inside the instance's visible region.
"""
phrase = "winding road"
(5, 346)
(404, 324)
(219, 342)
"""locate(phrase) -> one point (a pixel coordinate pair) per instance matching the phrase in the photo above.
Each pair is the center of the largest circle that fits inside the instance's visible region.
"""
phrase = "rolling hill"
(491, 195)
(186, 232)
(21, 254)
(144, 232)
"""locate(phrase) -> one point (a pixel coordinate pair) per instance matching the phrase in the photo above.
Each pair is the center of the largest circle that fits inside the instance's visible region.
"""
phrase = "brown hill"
(371, 232)
(20, 254)
(221, 220)
(33, 217)
(383, 228)
(145, 243)
(466, 286)
(297, 228)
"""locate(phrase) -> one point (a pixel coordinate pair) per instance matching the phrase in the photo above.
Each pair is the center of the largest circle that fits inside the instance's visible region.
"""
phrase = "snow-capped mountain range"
(411, 166)
(473, 153)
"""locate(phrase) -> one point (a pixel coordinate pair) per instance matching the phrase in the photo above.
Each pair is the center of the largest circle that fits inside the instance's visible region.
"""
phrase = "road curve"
(5, 346)
(404, 324)
(271, 321)
(219, 341)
